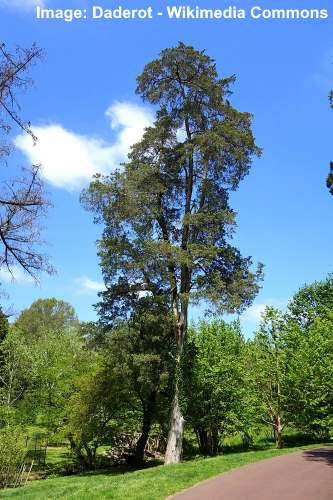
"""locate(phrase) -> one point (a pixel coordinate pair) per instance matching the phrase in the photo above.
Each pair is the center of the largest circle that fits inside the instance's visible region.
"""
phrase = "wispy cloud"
(22, 4)
(88, 286)
(69, 160)
(16, 276)
(254, 313)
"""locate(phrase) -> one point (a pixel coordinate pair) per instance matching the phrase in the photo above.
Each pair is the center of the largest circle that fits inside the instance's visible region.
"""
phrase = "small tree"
(15, 375)
(269, 372)
(167, 217)
(215, 388)
(12, 454)
(90, 411)
(139, 352)
(309, 350)
(310, 373)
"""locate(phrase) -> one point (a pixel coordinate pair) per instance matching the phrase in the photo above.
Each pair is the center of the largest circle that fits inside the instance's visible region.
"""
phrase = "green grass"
(56, 455)
(148, 484)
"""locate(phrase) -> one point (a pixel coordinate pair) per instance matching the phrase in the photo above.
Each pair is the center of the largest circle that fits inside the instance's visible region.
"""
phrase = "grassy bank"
(148, 484)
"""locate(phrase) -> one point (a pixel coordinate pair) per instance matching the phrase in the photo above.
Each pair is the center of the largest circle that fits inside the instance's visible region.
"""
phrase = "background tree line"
(111, 390)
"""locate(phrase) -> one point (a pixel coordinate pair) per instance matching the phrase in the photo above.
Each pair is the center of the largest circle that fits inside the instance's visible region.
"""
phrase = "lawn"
(148, 484)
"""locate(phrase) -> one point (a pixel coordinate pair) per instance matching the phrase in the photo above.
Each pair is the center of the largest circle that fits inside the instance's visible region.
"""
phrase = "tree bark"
(278, 432)
(174, 449)
(208, 441)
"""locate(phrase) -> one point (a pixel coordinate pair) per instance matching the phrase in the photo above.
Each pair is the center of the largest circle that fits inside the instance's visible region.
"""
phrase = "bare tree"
(22, 199)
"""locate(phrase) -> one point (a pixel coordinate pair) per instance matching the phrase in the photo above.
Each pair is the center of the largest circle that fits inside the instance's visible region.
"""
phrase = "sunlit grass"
(148, 484)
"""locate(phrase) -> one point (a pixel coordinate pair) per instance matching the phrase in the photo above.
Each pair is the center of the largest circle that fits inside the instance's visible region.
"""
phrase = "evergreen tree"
(167, 217)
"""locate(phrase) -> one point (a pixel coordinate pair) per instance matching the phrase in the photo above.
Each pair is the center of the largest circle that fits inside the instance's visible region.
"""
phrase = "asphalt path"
(305, 475)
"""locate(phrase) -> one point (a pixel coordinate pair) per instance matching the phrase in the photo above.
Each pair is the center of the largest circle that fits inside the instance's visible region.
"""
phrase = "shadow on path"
(324, 455)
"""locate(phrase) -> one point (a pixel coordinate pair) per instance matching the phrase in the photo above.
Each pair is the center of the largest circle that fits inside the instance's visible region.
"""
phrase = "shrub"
(12, 453)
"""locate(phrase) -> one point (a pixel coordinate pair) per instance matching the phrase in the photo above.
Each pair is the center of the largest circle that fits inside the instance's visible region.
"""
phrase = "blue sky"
(86, 114)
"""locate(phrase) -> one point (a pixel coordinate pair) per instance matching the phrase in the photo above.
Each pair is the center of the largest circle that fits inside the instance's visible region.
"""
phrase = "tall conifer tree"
(167, 218)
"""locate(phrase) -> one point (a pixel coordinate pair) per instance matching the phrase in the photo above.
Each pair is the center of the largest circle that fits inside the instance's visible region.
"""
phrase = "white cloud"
(22, 4)
(88, 286)
(69, 160)
(16, 276)
(254, 312)
(130, 120)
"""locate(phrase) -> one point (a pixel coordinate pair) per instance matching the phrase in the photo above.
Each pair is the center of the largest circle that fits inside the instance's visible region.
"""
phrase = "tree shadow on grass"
(114, 470)
(323, 455)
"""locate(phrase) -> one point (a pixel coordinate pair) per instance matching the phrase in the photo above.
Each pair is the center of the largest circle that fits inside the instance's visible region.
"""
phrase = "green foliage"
(46, 315)
(4, 325)
(12, 454)
(270, 382)
(215, 387)
(310, 373)
(129, 392)
(312, 301)
(166, 214)
(140, 351)
(92, 415)
(57, 359)
(292, 362)
(41, 356)
(15, 376)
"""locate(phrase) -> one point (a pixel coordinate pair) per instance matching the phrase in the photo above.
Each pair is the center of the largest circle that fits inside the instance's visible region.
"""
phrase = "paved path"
(306, 475)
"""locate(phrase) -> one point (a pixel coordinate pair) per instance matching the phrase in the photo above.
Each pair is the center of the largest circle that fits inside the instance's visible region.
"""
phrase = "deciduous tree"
(22, 198)
(269, 372)
(215, 383)
(46, 315)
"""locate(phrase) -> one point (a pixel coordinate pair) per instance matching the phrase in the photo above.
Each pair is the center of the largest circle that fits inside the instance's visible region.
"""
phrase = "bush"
(12, 454)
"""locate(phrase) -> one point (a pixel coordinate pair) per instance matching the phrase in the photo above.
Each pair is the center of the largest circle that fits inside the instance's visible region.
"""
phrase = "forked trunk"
(174, 449)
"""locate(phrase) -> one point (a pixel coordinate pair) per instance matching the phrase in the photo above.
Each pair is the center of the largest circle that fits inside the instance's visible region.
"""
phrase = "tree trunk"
(174, 449)
(208, 441)
(148, 412)
(278, 432)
